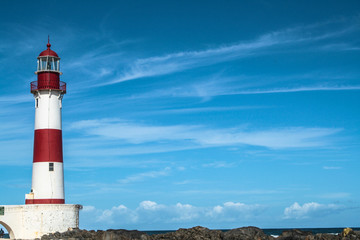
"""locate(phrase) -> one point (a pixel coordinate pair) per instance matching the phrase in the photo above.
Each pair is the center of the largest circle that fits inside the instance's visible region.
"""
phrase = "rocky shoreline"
(200, 233)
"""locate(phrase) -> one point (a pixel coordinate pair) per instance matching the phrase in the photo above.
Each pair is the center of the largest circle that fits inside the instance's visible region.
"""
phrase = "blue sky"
(181, 113)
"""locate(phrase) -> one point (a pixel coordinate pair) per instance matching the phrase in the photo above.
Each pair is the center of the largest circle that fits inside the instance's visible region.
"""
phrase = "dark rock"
(246, 233)
(122, 234)
(295, 234)
(45, 237)
(77, 234)
(199, 233)
(195, 233)
(323, 236)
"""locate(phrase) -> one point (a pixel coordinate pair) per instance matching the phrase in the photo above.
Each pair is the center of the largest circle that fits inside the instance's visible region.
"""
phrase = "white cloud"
(88, 208)
(149, 205)
(185, 212)
(230, 211)
(150, 212)
(109, 215)
(106, 216)
(312, 209)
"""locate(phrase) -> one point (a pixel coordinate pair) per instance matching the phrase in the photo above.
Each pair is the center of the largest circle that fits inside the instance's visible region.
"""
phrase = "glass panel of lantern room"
(38, 65)
(48, 64)
(58, 65)
(43, 63)
(53, 64)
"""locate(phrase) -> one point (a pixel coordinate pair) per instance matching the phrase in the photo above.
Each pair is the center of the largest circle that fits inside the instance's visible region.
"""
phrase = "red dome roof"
(48, 52)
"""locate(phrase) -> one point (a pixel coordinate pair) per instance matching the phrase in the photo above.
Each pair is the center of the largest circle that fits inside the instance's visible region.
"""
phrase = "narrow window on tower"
(36, 102)
(51, 167)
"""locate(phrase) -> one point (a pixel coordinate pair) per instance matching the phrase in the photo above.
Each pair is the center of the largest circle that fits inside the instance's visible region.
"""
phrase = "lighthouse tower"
(44, 210)
(48, 90)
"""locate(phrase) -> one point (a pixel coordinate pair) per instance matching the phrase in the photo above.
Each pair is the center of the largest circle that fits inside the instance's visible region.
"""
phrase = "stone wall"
(34, 220)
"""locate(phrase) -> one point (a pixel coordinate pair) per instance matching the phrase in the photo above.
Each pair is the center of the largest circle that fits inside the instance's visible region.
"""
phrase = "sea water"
(6, 235)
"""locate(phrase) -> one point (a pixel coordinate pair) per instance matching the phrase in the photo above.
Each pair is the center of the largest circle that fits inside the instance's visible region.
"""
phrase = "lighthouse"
(48, 174)
(44, 210)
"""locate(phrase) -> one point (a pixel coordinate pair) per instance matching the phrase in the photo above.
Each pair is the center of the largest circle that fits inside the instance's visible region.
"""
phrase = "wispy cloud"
(236, 192)
(145, 175)
(219, 165)
(332, 168)
(207, 90)
(301, 89)
(176, 62)
(155, 66)
(336, 195)
(340, 47)
(219, 85)
(12, 130)
(15, 98)
(22, 148)
(202, 109)
(129, 132)
(90, 152)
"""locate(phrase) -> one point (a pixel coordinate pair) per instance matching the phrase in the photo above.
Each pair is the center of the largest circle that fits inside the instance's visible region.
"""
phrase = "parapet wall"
(34, 220)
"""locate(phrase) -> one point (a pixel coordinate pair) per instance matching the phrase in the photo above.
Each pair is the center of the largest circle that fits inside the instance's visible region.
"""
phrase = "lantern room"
(48, 71)
(48, 63)
(48, 60)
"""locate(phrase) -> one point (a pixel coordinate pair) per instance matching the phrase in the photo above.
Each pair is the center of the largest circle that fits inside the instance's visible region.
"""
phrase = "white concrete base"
(34, 220)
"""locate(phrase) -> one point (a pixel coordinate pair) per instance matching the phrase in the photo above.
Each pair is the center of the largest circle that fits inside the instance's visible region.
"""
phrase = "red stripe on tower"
(44, 201)
(48, 145)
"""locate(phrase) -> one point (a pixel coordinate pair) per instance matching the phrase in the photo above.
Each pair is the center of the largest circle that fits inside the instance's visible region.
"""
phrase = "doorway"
(8, 233)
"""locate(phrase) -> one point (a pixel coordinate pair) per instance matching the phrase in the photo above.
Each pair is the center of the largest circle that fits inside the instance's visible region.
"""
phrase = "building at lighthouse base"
(35, 220)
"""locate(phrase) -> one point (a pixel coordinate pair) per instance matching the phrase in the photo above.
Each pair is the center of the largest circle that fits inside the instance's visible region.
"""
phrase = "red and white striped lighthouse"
(47, 175)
